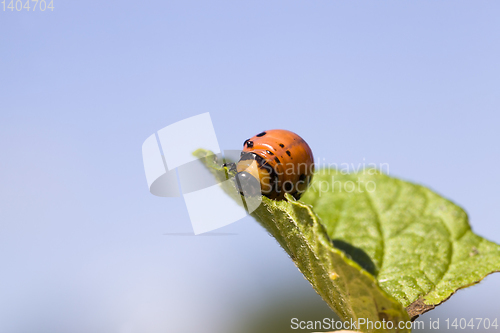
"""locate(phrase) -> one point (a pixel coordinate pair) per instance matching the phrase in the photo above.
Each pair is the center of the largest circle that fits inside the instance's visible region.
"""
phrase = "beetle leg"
(231, 167)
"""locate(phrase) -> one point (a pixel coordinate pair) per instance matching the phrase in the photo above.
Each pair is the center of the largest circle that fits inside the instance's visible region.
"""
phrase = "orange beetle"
(280, 160)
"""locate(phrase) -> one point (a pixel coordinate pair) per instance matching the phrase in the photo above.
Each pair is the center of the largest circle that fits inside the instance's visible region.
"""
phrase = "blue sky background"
(82, 244)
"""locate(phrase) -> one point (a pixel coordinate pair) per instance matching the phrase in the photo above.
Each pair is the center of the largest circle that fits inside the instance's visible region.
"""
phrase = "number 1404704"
(27, 5)
(472, 324)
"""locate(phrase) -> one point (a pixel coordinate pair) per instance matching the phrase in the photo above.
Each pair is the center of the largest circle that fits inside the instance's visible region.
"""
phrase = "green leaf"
(372, 245)
(348, 289)
(419, 245)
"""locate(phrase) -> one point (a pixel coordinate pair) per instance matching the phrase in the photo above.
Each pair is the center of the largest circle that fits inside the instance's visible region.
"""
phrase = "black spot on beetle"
(288, 186)
(248, 143)
(288, 153)
(282, 145)
(261, 134)
(269, 152)
(302, 177)
(277, 160)
(260, 161)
